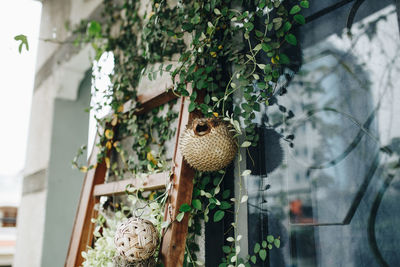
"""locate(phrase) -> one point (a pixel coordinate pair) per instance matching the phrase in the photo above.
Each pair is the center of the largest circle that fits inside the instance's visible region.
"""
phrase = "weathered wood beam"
(82, 232)
(174, 238)
(151, 182)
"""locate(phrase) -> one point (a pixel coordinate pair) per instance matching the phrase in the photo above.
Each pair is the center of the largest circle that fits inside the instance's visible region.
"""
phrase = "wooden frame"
(174, 238)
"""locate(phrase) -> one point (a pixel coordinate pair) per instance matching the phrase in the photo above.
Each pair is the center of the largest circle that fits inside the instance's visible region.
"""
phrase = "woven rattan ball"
(136, 239)
(207, 144)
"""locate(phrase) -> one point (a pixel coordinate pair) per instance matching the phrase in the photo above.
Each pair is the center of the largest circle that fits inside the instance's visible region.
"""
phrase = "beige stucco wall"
(59, 71)
(30, 229)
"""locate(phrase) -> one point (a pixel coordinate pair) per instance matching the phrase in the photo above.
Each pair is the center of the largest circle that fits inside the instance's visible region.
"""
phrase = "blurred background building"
(58, 127)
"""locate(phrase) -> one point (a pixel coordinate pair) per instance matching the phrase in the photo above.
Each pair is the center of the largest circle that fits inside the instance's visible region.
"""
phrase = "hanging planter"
(207, 144)
(136, 240)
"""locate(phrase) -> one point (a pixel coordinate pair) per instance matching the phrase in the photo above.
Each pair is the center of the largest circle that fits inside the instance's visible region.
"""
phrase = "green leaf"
(284, 59)
(168, 68)
(209, 69)
(270, 238)
(24, 41)
(193, 96)
(264, 244)
(219, 215)
(196, 19)
(253, 259)
(249, 26)
(261, 66)
(216, 11)
(277, 243)
(263, 254)
(196, 203)
(94, 28)
(291, 39)
(207, 99)
(287, 26)
(226, 194)
(257, 47)
(269, 246)
(185, 207)
(170, 33)
(257, 248)
(225, 205)
(259, 34)
(226, 249)
(266, 47)
(299, 19)
(295, 9)
(246, 144)
(187, 27)
(179, 217)
(304, 4)
(192, 106)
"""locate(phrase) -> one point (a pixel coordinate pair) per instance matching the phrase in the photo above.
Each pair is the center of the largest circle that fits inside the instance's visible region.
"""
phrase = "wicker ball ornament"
(207, 144)
(136, 239)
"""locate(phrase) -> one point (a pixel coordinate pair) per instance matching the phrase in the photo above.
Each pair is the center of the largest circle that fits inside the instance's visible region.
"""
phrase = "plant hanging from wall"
(229, 51)
(250, 36)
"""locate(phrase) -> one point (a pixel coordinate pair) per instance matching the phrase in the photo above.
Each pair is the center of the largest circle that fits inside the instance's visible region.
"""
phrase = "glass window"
(323, 176)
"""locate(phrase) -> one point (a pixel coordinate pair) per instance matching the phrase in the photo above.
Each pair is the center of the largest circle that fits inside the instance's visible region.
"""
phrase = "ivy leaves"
(94, 29)
(260, 251)
(205, 60)
(291, 39)
(295, 9)
(304, 4)
(219, 215)
(196, 204)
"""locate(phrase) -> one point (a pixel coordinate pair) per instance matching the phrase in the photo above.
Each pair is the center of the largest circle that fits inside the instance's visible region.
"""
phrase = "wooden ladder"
(174, 238)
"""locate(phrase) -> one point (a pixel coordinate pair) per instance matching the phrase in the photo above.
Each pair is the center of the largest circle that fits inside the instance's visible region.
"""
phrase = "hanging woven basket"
(207, 144)
(136, 240)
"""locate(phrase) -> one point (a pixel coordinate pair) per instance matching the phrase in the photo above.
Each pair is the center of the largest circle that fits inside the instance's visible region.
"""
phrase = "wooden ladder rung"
(151, 182)
(172, 249)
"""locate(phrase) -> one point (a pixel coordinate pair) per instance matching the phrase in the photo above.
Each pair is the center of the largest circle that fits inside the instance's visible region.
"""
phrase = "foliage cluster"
(224, 49)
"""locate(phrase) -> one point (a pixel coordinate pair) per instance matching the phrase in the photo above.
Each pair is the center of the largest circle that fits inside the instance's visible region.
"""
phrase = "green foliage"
(103, 252)
(180, 216)
(259, 251)
(94, 29)
(221, 51)
(23, 42)
(219, 215)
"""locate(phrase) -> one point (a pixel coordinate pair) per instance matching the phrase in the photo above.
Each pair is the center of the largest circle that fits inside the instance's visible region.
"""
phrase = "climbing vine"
(233, 52)
(236, 56)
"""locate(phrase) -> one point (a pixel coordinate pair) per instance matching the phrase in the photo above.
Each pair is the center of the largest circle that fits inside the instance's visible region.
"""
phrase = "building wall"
(50, 188)
(70, 131)
(60, 69)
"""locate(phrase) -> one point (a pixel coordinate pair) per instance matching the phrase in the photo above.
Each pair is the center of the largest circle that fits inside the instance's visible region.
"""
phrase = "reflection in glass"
(332, 196)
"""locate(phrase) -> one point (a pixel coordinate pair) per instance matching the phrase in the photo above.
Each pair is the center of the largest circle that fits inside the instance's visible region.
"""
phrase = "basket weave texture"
(136, 239)
(207, 144)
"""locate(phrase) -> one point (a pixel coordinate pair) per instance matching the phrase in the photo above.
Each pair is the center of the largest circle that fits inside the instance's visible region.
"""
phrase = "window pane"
(332, 198)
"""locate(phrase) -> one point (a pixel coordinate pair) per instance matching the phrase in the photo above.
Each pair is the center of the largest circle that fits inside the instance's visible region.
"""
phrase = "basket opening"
(202, 129)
